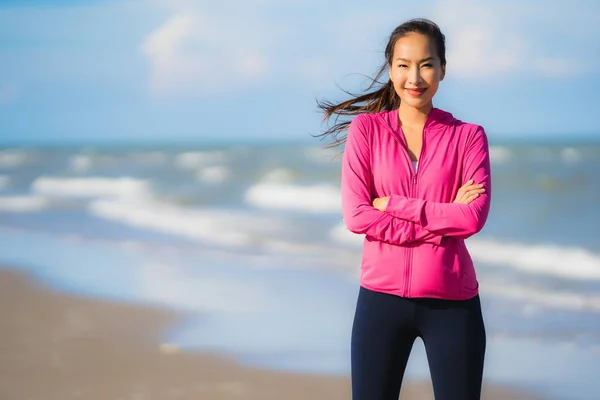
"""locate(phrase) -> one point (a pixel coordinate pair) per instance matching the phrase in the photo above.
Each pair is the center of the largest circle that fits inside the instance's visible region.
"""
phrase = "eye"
(428, 65)
(402, 66)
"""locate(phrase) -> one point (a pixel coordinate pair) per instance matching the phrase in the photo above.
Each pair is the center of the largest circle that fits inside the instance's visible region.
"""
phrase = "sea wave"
(279, 175)
(213, 174)
(13, 158)
(564, 262)
(86, 161)
(80, 162)
(91, 187)
(570, 155)
(195, 159)
(500, 154)
(558, 299)
(340, 234)
(316, 198)
(4, 181)
(220, 227)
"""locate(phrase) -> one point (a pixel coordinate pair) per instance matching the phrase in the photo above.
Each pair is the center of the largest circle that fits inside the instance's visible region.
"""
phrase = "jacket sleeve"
(359, 214)
(450, 219)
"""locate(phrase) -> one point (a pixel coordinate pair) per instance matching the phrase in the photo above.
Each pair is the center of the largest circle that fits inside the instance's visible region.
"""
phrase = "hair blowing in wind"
(384, 97)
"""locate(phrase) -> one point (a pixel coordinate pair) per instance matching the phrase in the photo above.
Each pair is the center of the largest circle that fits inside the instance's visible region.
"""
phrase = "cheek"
(397, 76)
(398, 81)
(432, 76)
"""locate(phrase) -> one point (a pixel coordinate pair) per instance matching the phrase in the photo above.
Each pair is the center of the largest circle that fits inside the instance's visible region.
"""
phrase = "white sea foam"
(91, 187)
(340, 234)
(499, 154)
(570, 155)
(12, 158)
(569, 263)
(279, 175)
(19, 204)
(193, 160)
(566, 300)
(81, 162)
(220, 227)
(213, 174)
(565, 262)
(86, 161)
(4, 181)
(314, 198)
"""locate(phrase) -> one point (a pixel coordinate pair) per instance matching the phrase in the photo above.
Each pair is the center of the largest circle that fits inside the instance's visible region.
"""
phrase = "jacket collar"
(436, 119)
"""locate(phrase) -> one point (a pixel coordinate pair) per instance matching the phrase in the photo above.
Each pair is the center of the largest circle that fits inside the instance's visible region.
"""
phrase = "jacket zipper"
(415, 186)
(414, 192)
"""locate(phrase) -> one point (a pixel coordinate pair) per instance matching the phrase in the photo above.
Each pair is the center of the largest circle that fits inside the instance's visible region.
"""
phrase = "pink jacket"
(416, 248)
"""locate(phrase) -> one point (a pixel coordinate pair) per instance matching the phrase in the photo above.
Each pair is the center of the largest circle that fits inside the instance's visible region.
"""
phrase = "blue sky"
(138, 70)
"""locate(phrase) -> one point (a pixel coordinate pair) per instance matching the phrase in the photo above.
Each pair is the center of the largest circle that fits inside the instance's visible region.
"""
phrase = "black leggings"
(385, 328)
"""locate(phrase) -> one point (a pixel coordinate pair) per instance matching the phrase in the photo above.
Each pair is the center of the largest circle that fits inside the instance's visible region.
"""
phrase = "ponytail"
(384, 98)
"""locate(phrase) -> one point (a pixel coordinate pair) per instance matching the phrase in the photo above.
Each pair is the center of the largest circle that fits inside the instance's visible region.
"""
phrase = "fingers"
(468, 186)
(471, 184)
(470, 195)
(469, 192)
(471, 198)
(474, 190)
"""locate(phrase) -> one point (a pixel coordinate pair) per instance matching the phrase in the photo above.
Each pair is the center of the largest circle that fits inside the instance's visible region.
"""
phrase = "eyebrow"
(423, 60)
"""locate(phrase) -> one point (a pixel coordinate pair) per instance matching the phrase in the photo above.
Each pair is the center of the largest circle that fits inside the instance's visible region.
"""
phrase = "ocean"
(248, 240)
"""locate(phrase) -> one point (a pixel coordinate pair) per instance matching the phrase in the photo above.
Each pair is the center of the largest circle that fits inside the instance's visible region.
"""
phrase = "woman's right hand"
(468, 192)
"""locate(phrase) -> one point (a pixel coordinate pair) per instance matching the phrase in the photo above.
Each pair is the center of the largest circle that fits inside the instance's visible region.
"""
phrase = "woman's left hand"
(381, 203)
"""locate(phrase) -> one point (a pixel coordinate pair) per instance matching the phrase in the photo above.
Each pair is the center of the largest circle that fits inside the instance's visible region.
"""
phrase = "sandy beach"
(56, 346)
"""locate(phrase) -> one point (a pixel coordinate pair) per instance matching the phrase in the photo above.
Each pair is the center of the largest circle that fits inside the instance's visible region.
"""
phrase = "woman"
(416, 183)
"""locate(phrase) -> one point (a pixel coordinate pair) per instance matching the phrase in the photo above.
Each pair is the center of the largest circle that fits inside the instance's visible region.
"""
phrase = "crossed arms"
(399, 219)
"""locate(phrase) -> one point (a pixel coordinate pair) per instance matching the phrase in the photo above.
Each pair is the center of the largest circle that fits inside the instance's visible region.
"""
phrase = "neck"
(410, 116)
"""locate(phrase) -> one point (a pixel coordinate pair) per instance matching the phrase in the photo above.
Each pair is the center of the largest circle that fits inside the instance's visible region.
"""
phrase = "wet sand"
(56, 346)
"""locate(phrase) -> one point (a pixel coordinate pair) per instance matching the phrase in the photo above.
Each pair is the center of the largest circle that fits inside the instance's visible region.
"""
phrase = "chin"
(416, 102)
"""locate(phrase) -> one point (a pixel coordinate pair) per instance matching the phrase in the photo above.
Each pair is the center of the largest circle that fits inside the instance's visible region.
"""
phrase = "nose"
(415, 76)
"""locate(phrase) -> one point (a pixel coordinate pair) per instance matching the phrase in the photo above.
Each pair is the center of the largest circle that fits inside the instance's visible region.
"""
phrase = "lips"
(415, 92)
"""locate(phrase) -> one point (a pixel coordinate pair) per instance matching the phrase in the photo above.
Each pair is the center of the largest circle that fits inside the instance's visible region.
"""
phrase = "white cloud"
(499, 39)
(206, 47)
(197, 52)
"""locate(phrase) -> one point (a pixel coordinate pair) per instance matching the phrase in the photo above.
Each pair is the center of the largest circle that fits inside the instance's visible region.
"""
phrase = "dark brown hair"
(385, 97)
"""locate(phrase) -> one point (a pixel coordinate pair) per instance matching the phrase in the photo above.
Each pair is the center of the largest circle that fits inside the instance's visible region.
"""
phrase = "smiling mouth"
(416, 92)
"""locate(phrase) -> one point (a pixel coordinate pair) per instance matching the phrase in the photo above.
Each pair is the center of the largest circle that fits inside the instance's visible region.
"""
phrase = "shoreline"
(59, 346)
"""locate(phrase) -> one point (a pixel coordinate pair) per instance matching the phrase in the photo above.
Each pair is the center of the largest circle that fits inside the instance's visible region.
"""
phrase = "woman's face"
(416, 70)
